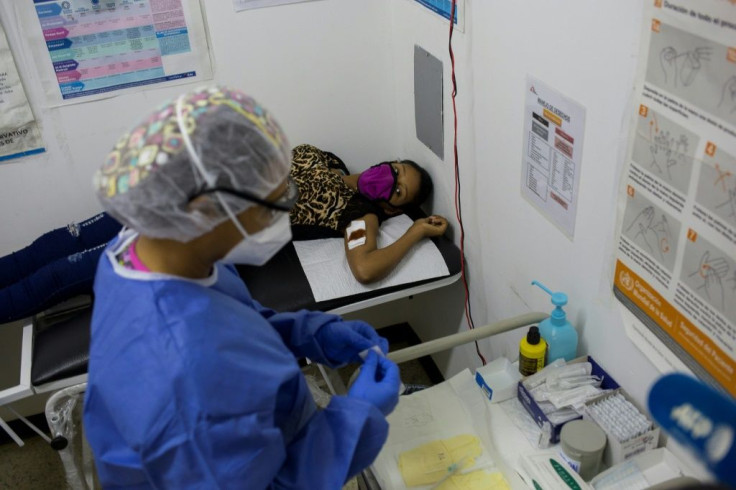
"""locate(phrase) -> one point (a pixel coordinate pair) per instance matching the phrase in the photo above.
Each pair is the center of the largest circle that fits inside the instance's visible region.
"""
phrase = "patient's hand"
(431, 226)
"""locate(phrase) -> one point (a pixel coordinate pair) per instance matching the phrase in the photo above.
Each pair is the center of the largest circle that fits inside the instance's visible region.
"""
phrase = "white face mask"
(258, 248)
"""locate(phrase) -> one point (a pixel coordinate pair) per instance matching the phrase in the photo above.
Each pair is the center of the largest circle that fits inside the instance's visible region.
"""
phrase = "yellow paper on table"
(431, 462)
(477, 480)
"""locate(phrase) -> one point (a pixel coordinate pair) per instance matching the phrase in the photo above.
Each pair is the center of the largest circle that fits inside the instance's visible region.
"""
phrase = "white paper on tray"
(326, 266)
(452, 408)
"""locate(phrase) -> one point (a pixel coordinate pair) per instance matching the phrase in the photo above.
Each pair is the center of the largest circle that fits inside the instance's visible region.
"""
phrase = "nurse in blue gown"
(192, 383)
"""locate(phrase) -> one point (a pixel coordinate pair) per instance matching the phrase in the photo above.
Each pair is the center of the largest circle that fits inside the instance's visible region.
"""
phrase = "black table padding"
(281, 284)
(61, 350)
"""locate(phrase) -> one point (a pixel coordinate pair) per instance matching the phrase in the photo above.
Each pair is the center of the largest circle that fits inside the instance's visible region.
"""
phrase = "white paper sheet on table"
(329, 275)
(454, 407)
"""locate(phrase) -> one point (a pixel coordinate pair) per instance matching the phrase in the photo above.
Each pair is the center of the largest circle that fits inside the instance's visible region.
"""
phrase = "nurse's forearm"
(376, 264)
(298, 329)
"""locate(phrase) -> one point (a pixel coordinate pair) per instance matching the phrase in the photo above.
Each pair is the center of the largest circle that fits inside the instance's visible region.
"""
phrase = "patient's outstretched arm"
(369, 263)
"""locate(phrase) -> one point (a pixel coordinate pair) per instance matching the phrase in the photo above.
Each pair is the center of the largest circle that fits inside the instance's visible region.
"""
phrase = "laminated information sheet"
(552, 155)
(86, 49)
(676, 254)
(19, 135)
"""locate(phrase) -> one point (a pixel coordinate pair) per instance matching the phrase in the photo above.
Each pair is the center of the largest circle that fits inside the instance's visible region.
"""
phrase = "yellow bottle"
(532, 352)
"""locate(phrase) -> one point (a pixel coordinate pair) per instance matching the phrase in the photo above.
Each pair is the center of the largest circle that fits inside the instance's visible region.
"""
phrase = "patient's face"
(407, 184)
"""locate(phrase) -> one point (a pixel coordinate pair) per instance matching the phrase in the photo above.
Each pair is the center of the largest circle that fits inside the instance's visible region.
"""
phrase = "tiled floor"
(36, 466)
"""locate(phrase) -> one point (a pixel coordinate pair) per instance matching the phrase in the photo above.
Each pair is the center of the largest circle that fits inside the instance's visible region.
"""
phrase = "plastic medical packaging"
(551, 429)
(540, 377)
(582, 443)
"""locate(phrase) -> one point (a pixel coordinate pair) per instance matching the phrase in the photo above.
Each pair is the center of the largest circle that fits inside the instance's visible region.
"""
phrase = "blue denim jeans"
(57, 266)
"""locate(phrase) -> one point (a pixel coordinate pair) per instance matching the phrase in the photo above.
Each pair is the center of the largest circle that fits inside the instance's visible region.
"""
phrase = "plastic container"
(532, 352)
(582, 443)
(560, 335)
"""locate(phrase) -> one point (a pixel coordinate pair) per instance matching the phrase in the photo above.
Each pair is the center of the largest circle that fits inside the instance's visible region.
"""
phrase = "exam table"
(55, 345)
(293, 291)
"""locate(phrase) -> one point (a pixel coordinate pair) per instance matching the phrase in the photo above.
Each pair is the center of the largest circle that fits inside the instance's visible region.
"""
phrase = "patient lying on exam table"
(335, 203)
(61, 263)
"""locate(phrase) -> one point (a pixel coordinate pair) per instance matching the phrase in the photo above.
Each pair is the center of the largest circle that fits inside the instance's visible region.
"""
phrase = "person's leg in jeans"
(52, 284)
(57, 266)
(57, 244)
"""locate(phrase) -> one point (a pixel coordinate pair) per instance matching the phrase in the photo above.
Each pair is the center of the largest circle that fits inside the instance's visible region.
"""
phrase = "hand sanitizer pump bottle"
(560, 335)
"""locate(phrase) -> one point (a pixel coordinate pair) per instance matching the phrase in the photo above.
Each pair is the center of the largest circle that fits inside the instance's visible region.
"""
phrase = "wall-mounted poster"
(676, 255)
(443, 8)
(19, 135)
(552, 154)
(86, 49)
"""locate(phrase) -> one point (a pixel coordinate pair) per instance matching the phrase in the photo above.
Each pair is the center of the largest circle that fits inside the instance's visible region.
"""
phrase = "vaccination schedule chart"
(98, 47)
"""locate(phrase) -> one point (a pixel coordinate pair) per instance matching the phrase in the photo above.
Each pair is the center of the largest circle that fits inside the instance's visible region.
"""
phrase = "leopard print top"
(326, 204)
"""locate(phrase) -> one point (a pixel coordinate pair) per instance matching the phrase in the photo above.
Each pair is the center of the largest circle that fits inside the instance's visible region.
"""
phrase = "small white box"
(498, 379)
(617, 452)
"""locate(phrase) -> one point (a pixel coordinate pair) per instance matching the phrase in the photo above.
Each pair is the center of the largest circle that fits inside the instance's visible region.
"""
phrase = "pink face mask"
(378, 182)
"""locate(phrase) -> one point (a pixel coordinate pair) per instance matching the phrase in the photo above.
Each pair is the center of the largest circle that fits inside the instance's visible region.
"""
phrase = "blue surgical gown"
(193, 384)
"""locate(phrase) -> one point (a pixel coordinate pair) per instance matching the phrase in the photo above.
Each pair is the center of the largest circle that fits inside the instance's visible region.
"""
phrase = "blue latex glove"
(343, 341)
(378, 383)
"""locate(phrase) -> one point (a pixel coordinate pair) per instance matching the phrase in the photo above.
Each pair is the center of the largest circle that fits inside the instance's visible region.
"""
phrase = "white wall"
(339, 73)
(433, 315)
(322, 68)
(587, 51)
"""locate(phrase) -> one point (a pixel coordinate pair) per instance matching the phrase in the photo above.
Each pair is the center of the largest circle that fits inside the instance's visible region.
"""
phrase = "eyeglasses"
(284, 203)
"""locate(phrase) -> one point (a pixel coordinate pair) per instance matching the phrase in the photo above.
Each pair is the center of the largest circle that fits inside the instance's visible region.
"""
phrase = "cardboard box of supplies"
(616, 451)
(550, 431)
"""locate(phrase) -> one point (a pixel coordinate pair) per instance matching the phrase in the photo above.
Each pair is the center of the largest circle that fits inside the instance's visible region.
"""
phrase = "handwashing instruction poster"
(88, 48)
(676, 252)
(19, 134)
(552, 154)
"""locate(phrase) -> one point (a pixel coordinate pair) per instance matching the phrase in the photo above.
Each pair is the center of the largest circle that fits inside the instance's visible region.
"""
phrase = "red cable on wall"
(458, 205)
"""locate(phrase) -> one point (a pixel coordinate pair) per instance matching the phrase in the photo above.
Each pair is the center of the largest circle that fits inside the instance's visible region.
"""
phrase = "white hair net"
(211, 137)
